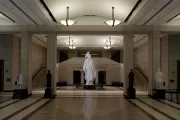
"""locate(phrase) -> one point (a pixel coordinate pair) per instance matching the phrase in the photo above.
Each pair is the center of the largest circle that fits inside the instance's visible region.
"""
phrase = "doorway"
(102, 77)
(178, 75)
(1, 75)
(76, 77)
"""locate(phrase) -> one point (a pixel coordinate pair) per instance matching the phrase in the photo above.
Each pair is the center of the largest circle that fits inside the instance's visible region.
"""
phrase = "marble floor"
(89, 105)
(5, 96)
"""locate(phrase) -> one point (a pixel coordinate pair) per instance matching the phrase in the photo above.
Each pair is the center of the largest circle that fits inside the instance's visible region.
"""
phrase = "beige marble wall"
(72, 53)
(16, 58)
(164, 59)
(106, 53)
(141, 57)
(174, 55)
(38, 56)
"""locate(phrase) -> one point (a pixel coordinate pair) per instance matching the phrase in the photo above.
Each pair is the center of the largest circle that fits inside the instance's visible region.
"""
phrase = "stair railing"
(37, 71)
(141, 76)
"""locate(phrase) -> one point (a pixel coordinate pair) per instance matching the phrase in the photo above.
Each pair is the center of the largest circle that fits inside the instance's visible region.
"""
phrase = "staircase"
(38, 78)
(140, 79)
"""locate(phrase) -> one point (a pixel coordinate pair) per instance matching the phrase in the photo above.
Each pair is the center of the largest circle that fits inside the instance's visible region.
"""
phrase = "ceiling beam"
(93, 29)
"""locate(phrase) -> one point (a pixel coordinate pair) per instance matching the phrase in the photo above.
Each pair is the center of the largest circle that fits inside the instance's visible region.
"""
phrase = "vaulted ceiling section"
(90, 12)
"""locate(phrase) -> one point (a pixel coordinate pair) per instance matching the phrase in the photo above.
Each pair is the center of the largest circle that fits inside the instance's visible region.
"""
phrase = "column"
(52, 59)
(26, 60)
(127, 60)
(82, 77)
(153, 59)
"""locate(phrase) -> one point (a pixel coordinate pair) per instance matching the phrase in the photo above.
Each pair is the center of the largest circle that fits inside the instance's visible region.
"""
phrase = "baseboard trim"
(7, 90)
(29, 94)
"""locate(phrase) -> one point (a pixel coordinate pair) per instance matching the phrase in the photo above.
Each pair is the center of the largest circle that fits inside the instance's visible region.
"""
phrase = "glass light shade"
(72, 47)
(110, 43)
(67, 22)
(113, 22)
(107, 47)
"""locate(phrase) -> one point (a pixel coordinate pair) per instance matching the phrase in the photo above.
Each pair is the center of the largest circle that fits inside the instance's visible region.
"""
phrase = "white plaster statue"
(20, 81)
(89, 69)
(158, 78)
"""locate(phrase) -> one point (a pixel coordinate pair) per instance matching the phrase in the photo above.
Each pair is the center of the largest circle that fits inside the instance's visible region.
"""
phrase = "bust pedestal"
(158, 94)
(20, 94)
(90, 87)
(48, 93)
(131, 93)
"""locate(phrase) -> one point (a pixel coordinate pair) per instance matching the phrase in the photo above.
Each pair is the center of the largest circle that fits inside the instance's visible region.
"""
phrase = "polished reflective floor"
(89, 105)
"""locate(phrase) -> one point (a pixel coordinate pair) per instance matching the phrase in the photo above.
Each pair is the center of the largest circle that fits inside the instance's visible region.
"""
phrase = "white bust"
(89, 69)
(158, 75)
(20, 81)
(158, 78)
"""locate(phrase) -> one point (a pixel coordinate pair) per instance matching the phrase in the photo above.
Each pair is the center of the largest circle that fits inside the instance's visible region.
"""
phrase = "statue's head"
(158, 70)
(88, 55)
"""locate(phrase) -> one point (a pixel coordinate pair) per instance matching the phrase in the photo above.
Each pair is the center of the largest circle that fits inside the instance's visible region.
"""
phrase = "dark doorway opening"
(1, 75)
(102, 77)
(178, 75)
(76, 77)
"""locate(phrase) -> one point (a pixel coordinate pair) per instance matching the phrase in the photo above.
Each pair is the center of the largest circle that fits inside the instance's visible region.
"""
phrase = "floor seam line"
(145, 112)
(9, 104)
(5, 101)
(161, 112)
(18, 111)
(167, 104)
(36, 110)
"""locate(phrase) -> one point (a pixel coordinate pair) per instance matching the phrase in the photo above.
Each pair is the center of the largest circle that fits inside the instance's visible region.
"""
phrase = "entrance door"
(1, 75)
(102, 77)
(178, 75)
(76, 77)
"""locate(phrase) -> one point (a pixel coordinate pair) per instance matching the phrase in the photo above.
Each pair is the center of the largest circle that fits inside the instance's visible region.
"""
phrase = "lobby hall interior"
(134, 48)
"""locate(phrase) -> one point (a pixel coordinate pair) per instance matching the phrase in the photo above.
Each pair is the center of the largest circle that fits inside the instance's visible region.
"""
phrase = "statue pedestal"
(20, 94)
(158, 94)
(48, 93)
(90, 87)
(131, 93)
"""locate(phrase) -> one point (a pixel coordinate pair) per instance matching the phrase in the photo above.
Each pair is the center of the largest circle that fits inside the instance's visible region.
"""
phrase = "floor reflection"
(89, 107)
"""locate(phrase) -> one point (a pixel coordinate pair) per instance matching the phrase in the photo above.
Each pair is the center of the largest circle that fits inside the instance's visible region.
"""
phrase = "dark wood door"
(178, 75)
(76, 77)
(102, 77)
(1, 75)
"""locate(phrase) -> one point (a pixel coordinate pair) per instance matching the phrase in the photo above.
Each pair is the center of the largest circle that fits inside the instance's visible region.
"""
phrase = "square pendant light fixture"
(112, 22)
(67, 21)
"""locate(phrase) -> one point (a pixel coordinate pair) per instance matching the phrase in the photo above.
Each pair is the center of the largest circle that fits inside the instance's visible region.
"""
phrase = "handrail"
(141, 71)
(37, 71)
(143, 77)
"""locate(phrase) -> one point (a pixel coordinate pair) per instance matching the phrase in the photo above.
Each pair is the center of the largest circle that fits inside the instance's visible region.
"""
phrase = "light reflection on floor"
(108, 91)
